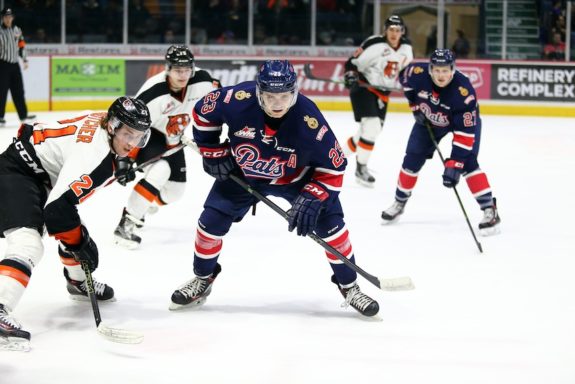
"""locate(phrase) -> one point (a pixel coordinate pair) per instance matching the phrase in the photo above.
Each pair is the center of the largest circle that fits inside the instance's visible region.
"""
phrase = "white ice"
(504, 316)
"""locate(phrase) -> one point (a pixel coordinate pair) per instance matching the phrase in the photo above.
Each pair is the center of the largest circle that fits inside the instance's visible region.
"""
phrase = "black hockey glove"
(306, 209)
(125, 171)
(452, 172)
(85, 251)
(418, 114)
(350, 79)
(218, 160)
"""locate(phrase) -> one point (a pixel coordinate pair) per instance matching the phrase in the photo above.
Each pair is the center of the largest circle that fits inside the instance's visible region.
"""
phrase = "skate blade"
(82, 298)
(193, 305)
(128, 244)
(14, 344)
(388, 222)
(364, 183)
(118, 335)
(491, 231)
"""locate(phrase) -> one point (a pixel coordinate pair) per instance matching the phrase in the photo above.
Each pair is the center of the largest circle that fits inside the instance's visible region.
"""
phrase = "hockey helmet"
(179, 56)
(131, 112)
(276, 76)
(395, 21)
(442, 58)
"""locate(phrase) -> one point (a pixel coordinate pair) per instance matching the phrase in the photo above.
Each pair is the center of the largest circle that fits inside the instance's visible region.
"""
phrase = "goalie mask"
(276, 87)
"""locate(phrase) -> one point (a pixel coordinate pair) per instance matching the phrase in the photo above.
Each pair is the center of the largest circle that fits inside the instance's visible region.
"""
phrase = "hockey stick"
(394, 284)
(310, 75)
(116, 335)
(428, 126)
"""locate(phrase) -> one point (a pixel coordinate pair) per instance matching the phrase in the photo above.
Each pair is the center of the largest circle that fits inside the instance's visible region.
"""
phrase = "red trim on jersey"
(466, 141)
(328, 179)
(198, 121)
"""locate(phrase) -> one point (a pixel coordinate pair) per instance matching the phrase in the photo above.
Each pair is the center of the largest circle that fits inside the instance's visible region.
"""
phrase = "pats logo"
(464, 92)
(311, 121)
(248, 158)
(246, 133)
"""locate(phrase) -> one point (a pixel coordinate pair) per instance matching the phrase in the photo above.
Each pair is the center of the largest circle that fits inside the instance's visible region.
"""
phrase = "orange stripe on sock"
(16, 274)
(145, 193)
(368, 147)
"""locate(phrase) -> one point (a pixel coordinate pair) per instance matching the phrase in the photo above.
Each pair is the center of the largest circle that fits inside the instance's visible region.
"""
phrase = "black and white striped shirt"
(12, 44)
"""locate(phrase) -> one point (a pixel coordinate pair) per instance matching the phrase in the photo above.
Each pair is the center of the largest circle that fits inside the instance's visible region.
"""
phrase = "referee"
(11, 46)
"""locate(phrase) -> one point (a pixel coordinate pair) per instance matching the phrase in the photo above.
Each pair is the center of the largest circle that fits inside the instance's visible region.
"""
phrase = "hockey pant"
(228, 203)
(420, 147)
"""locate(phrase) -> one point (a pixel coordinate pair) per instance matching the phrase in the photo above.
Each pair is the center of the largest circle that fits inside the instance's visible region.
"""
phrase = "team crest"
(464, 92)
(240, 95)
(417, 70)
(311, 122)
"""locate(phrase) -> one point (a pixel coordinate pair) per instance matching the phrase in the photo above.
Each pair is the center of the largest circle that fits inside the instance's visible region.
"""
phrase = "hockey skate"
(124, 234)
(392, 213)
(12, 336)
(363, 177)
(79, 292)
(489, 225)
(2, 122)
(195, 292)
(358, 300)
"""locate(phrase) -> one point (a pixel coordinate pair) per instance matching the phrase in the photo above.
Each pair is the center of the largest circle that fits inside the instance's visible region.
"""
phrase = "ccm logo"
(215, 153)
(315, 190)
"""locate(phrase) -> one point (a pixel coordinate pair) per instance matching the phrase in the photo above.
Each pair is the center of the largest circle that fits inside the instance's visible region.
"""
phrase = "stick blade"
(396, 284)
(118, 335)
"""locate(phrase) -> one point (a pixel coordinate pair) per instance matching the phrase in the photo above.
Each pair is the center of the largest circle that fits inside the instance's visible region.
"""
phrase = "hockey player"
(373, 68)
(44, 174)
(170, 96)
(444, 98)
(281, 144)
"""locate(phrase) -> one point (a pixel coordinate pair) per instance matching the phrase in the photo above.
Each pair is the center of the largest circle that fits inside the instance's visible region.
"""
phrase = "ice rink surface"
(504, 316)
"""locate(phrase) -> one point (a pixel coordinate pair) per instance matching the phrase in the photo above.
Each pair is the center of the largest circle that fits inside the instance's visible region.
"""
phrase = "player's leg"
(369, 111)
(419, 149)
(332, 229)
(226, 203)
(21, 223)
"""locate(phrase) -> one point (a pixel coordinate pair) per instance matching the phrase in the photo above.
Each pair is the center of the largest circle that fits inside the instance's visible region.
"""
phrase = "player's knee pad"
(214, 222)
(158, 174)
(25, 246)
(172, 191)
(370, 128)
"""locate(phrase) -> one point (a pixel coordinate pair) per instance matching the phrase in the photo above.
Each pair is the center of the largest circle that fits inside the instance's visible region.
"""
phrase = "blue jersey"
(453, 107)
(303, 147)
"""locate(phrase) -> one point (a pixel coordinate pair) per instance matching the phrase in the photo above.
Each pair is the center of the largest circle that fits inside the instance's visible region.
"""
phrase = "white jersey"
(379, 63)
(164, 104)
(73, 158)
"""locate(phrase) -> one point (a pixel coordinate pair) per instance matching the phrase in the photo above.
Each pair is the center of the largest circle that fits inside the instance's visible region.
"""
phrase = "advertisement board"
(532, 82)
(92, 77)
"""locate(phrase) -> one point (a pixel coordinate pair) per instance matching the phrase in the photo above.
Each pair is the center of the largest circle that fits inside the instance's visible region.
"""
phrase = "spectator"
(556, 49)
(431, 42)
(461, 45)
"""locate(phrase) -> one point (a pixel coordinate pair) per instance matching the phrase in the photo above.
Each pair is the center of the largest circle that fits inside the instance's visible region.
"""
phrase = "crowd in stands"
(553, 29)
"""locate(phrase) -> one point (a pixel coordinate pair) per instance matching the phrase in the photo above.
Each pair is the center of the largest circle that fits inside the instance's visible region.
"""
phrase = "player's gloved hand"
(218, 160)
(350, 78)
(175, 127)
(418, 114)
(452, 172)
(125, 170)
(86, 251)
(306, 209)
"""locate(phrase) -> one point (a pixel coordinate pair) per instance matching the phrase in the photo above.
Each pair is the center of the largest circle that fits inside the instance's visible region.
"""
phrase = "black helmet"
(131, 112)
(179, 56)
(394, 20)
